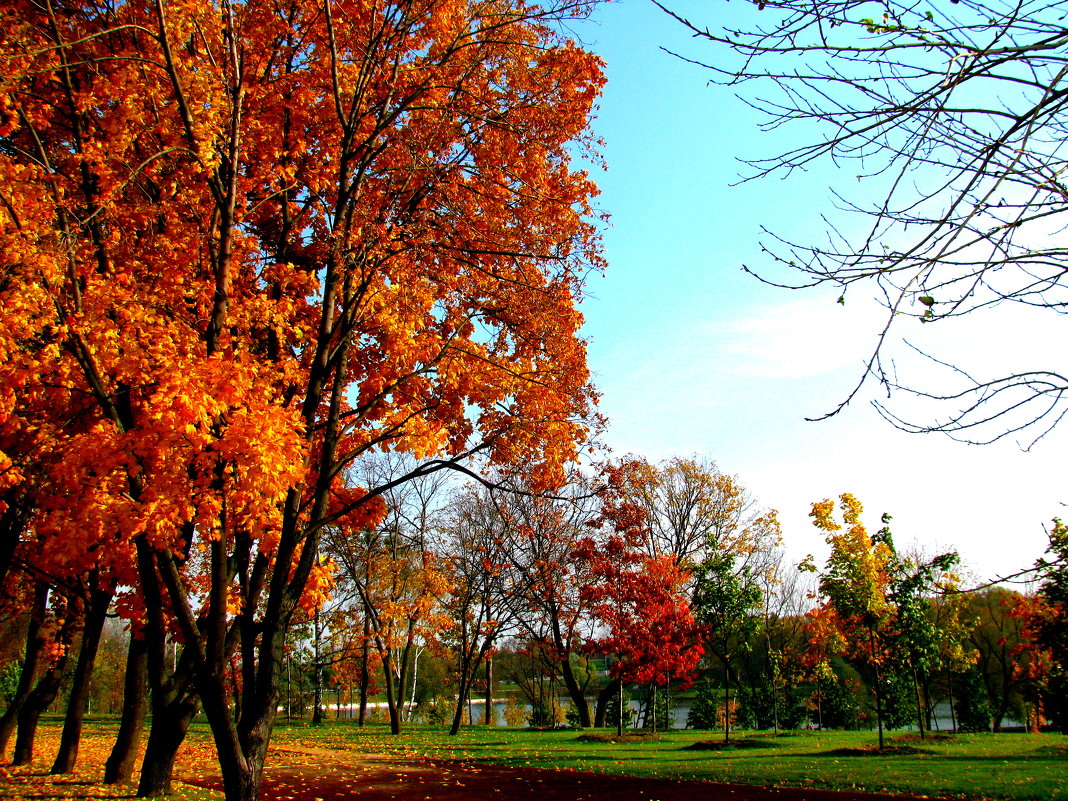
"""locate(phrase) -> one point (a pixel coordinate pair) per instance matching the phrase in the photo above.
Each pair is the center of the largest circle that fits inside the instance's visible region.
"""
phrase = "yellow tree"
(856, 583)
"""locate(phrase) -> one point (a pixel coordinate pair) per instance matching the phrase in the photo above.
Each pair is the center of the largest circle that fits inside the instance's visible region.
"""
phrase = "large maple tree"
(245, 244)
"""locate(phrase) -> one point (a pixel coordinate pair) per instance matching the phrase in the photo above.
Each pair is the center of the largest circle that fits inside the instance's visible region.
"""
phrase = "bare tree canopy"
(951, 117)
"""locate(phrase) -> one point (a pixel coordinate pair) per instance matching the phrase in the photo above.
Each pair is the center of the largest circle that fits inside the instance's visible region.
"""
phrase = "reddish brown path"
(320, 775)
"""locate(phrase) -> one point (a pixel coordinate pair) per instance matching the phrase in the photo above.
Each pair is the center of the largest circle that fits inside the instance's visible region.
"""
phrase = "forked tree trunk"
(44, 693)
(603, 697)
(120, 765)
(95, 616)
(31, 661)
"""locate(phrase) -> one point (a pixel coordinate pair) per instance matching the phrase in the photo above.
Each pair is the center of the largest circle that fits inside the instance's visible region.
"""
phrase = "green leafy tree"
(704, 712)
(725, 597)
(914, 638)
(972, 704)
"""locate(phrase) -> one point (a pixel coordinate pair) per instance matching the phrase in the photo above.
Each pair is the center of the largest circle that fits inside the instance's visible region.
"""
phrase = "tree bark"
(120, 764)
(95, 616)
(173, 696)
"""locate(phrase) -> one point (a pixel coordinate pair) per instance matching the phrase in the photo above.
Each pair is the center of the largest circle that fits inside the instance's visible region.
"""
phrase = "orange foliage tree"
(255, 242)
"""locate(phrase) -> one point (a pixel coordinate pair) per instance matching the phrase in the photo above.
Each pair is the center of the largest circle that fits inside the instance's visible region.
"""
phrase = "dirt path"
(323, 775)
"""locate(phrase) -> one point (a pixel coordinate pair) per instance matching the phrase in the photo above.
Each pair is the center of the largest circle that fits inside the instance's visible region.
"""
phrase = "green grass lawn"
(1010, 766)
(977, 766)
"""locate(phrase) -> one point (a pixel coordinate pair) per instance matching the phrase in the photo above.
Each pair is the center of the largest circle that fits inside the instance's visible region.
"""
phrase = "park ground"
(338, 761)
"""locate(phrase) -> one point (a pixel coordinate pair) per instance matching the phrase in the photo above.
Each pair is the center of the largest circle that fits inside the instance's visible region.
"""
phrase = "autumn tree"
(395, 572)
(995, 636)
(690, 506)
(543, 530)
(642, 605)
(483, 582)
(952, 117)
(305, 233)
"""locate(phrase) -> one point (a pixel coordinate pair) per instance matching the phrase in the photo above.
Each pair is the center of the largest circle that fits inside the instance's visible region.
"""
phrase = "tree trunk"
(920, 714)
(819, 707)
(95, 616)
(653, 709)
(31, 661)
(952, 707)
(47, 687)
(120, 765)
(170, 722)
(365, 671)
(173, 697)
(458, 714)
(491, 714)
(317, 667)
(878, 688)
(391, 698)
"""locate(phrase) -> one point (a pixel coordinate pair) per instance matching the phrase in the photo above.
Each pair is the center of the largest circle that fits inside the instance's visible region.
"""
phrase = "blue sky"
(693, 356)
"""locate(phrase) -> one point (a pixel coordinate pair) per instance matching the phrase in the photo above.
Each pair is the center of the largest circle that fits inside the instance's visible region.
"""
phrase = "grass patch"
(736, 744)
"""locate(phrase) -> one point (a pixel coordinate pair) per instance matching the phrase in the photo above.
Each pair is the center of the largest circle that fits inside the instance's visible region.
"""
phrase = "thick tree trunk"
(30, 662)
(391, 705)
(95, 616)
(242, 748)
(170, 723)
(120, 765)
(43, 694)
